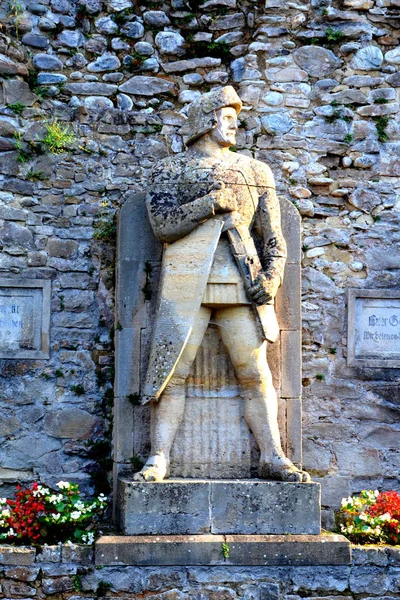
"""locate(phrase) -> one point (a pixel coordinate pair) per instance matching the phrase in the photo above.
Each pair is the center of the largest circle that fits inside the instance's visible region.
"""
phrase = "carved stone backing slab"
(213, 440)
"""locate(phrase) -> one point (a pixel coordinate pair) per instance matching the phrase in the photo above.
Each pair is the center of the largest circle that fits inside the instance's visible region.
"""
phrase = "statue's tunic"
(198, 266)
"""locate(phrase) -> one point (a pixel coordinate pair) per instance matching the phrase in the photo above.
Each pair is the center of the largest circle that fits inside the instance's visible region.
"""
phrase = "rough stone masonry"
(319, 81)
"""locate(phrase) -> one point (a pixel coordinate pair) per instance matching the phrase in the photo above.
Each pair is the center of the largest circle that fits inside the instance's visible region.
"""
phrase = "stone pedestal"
(192, 506)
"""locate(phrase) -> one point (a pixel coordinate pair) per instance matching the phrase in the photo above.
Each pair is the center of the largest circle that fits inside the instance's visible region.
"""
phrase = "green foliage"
(320, 377)
(381, 123)
(77, 582)
(58, 138)
(122, 17)
(78, 390)
(332, 350)
(233, 149)
(381, 101)
(225, 550)
(35, 176)
(59, 373)
(200, 49)
(14, 11)
(184, 19)
(347, 138)
(136, 62)
(106, 229)
(333, 36)
(17, 107)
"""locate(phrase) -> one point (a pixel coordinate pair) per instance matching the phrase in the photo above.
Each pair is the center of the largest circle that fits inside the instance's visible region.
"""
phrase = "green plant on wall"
(58, 138)
(381, 123)
(15, 10)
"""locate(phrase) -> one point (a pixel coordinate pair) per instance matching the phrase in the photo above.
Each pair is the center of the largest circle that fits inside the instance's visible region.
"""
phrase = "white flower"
(88, 538)
(386, 517)
(63, 485)
(363, 517)
(376, 493)
(55, 516)
(55, 498)
(11, 532)
(75, 514)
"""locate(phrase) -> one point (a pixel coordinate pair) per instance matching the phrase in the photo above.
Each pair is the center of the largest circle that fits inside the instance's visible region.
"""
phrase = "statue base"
(240, 506)
(223, 550)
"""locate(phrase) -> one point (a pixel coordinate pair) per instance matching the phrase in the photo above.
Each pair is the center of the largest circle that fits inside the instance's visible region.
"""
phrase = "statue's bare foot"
(282, 469)
(155, 469)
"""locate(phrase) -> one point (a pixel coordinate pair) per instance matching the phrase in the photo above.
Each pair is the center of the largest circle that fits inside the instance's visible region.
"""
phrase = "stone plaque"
(374, 328)
(24, 318)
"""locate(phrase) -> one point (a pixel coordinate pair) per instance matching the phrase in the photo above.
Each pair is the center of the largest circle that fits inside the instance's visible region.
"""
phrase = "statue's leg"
(248, 352)
(167, 412)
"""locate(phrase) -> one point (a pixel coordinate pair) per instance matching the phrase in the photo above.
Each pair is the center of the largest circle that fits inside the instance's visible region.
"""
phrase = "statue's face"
(224, 134)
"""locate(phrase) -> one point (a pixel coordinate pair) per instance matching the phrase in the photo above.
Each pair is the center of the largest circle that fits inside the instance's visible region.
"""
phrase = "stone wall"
(320, 85)
(64, 572)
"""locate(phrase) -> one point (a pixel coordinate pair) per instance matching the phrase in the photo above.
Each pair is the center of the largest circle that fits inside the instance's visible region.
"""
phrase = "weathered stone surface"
(207, 550)
(369, 58)
(10, 555)
(228, 22)
(18, 91)
(393, 56)
(9, 67)
(51, 79)
(35, 40)
(277, 124)
(147, 86)
(169, 42)
(317, 61)
(133, 31)
(91, 88)
(70, 39)
(219, 507)
(70, 423)
(106, 62)
(156, 18)
(47, 62)
(106, 25)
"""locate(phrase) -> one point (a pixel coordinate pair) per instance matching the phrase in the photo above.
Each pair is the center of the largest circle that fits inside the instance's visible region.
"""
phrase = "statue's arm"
(268, 229)
(273, 244)
(171, 221)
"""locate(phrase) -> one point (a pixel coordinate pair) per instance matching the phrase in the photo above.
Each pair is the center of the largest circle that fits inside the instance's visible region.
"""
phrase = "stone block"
(291, 364)
(178, 507)
(10, 555)
(239, 550)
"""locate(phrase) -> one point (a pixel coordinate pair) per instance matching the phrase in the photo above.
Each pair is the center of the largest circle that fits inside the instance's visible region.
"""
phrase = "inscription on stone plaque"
(24, 318)
(374, 328)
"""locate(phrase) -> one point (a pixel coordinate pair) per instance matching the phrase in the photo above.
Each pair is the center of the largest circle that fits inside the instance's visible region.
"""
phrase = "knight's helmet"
(201, 112)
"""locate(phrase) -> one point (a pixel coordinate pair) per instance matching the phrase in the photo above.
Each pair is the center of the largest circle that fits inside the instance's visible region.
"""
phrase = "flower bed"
(39, 515)
(371, 517)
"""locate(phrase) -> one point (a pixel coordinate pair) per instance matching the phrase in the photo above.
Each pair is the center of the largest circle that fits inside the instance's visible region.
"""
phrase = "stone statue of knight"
(218, 216)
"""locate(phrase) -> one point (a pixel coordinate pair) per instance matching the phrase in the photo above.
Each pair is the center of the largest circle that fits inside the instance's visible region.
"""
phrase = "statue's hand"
(231, 220)
(224, 199)
(264, 289)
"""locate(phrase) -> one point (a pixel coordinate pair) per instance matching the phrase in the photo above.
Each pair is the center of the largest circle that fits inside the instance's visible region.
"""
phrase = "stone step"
(228, 550)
